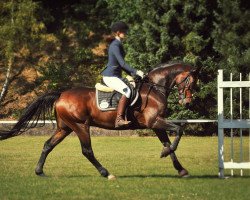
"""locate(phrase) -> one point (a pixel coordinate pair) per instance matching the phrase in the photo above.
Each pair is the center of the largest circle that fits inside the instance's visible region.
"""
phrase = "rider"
(112, 74)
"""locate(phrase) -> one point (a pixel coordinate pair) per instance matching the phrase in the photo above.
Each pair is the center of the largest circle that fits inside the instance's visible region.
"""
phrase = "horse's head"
(186, 82)
(165, 76)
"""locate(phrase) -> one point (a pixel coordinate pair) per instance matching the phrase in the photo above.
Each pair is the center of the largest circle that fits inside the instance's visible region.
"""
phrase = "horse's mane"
(168, 64)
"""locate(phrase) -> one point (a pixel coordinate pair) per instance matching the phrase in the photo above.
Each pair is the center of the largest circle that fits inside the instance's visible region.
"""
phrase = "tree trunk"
(7, 80)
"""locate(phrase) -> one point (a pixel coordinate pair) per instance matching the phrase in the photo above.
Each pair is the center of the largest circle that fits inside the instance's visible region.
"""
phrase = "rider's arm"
(121, 61)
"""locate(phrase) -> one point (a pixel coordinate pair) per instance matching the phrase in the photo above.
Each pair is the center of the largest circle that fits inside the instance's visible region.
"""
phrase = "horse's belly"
(103, 119)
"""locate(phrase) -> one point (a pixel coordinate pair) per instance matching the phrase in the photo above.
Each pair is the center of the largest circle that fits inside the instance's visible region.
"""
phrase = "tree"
(214, 33)
(232, 44)
(79, 26)
(17, 26)
(232, 37)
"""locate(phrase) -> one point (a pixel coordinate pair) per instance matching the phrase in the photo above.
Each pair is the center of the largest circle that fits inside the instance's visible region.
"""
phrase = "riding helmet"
(119, 26)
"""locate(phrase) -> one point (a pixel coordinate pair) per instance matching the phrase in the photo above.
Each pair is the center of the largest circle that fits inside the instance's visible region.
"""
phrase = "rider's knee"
(127, 92)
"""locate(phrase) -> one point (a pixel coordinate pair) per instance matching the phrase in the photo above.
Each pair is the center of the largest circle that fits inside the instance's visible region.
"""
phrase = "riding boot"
(120, 122)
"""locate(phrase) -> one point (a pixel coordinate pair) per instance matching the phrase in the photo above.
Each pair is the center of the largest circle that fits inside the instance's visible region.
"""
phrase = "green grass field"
(141, 174)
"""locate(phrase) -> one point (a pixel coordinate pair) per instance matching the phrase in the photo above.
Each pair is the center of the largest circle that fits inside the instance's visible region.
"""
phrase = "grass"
(141, 174)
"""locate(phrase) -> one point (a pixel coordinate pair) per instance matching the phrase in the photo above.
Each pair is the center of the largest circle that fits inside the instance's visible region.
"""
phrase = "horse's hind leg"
(49, 145)
(163, 137)
(82, 131)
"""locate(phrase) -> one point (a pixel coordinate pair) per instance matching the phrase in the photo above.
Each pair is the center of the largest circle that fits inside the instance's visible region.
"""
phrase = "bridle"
(186, 87)
(162, 89)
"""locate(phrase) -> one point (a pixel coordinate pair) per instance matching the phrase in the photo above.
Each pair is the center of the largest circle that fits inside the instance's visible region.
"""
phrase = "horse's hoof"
(111, 177)
(165, 152)
(40, 173)
(183, 173)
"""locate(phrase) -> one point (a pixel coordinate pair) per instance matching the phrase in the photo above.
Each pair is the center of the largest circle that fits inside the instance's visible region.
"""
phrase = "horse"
(76, 110)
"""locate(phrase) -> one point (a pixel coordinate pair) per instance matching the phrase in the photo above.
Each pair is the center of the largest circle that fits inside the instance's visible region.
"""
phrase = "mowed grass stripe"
(141, 174)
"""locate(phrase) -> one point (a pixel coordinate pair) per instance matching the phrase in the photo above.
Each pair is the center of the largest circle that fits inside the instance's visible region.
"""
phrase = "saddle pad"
(107, 100)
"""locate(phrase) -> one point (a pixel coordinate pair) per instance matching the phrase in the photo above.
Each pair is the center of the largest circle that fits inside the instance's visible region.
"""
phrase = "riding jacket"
(116, 61)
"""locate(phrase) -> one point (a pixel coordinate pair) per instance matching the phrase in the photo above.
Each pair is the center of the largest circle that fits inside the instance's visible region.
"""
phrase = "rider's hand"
(140, 73)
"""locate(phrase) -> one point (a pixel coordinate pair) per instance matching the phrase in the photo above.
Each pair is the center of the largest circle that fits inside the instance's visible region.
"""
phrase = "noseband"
(182, 94)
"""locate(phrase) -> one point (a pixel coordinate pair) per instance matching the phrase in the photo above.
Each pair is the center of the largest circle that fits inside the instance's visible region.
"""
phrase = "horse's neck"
(163, 77)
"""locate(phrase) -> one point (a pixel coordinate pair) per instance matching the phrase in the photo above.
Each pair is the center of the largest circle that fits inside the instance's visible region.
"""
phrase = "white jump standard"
(231, 124)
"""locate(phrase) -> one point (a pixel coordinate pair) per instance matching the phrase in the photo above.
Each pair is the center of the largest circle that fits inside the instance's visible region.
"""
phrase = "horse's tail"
(39, 109)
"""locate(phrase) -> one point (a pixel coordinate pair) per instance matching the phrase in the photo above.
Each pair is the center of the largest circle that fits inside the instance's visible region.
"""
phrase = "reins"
(154, 85)
(158, 87)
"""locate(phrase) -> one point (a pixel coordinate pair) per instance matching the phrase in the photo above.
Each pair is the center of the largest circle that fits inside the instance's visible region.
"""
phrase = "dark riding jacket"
(116, 62)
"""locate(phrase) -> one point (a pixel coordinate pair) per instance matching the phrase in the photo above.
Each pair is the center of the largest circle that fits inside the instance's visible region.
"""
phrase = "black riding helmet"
(119, 26)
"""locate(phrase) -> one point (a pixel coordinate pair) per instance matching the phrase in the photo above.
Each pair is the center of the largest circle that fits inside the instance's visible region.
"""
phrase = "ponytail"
(110, 38)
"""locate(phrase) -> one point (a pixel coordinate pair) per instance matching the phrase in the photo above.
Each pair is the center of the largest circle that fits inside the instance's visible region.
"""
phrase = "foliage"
(73, 62)
(17, 19)
(16, 22)
(211, 33)
(232, 37)
(163, 31)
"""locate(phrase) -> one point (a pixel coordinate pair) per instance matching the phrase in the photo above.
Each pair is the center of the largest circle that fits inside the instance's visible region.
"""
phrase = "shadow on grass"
(176, 176)
(144, 176)
(51, 176)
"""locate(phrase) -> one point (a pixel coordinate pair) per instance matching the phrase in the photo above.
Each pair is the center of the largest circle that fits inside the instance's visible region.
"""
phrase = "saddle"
(108, 99)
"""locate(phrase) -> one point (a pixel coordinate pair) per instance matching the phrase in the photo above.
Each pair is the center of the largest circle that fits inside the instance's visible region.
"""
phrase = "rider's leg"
(118, 85)
(120, 121)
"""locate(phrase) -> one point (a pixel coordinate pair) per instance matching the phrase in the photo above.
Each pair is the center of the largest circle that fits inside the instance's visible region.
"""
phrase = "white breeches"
(117, 84)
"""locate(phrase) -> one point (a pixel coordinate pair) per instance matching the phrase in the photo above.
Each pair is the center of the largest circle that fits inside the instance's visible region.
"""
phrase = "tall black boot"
(120, 122)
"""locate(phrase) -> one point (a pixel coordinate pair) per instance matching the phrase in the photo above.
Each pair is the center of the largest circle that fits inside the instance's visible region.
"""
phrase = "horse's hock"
(233, 120)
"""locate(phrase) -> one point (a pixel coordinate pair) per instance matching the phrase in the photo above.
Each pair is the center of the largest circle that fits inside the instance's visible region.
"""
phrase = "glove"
(140, 73)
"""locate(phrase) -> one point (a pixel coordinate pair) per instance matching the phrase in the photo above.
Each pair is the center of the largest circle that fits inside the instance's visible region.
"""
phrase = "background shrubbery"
(64, 43)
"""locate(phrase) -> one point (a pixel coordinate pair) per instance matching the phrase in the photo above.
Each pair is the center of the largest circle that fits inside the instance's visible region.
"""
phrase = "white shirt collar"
(116, 37)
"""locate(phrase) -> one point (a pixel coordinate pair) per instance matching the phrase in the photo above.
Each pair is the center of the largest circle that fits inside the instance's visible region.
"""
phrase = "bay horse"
(76, 110)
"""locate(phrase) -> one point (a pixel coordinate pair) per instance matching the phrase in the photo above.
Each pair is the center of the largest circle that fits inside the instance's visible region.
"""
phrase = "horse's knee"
(166, 151)
(173, 147)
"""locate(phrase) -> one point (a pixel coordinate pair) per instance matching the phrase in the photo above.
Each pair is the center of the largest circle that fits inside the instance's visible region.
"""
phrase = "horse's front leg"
(162, 124)
(163, 137)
